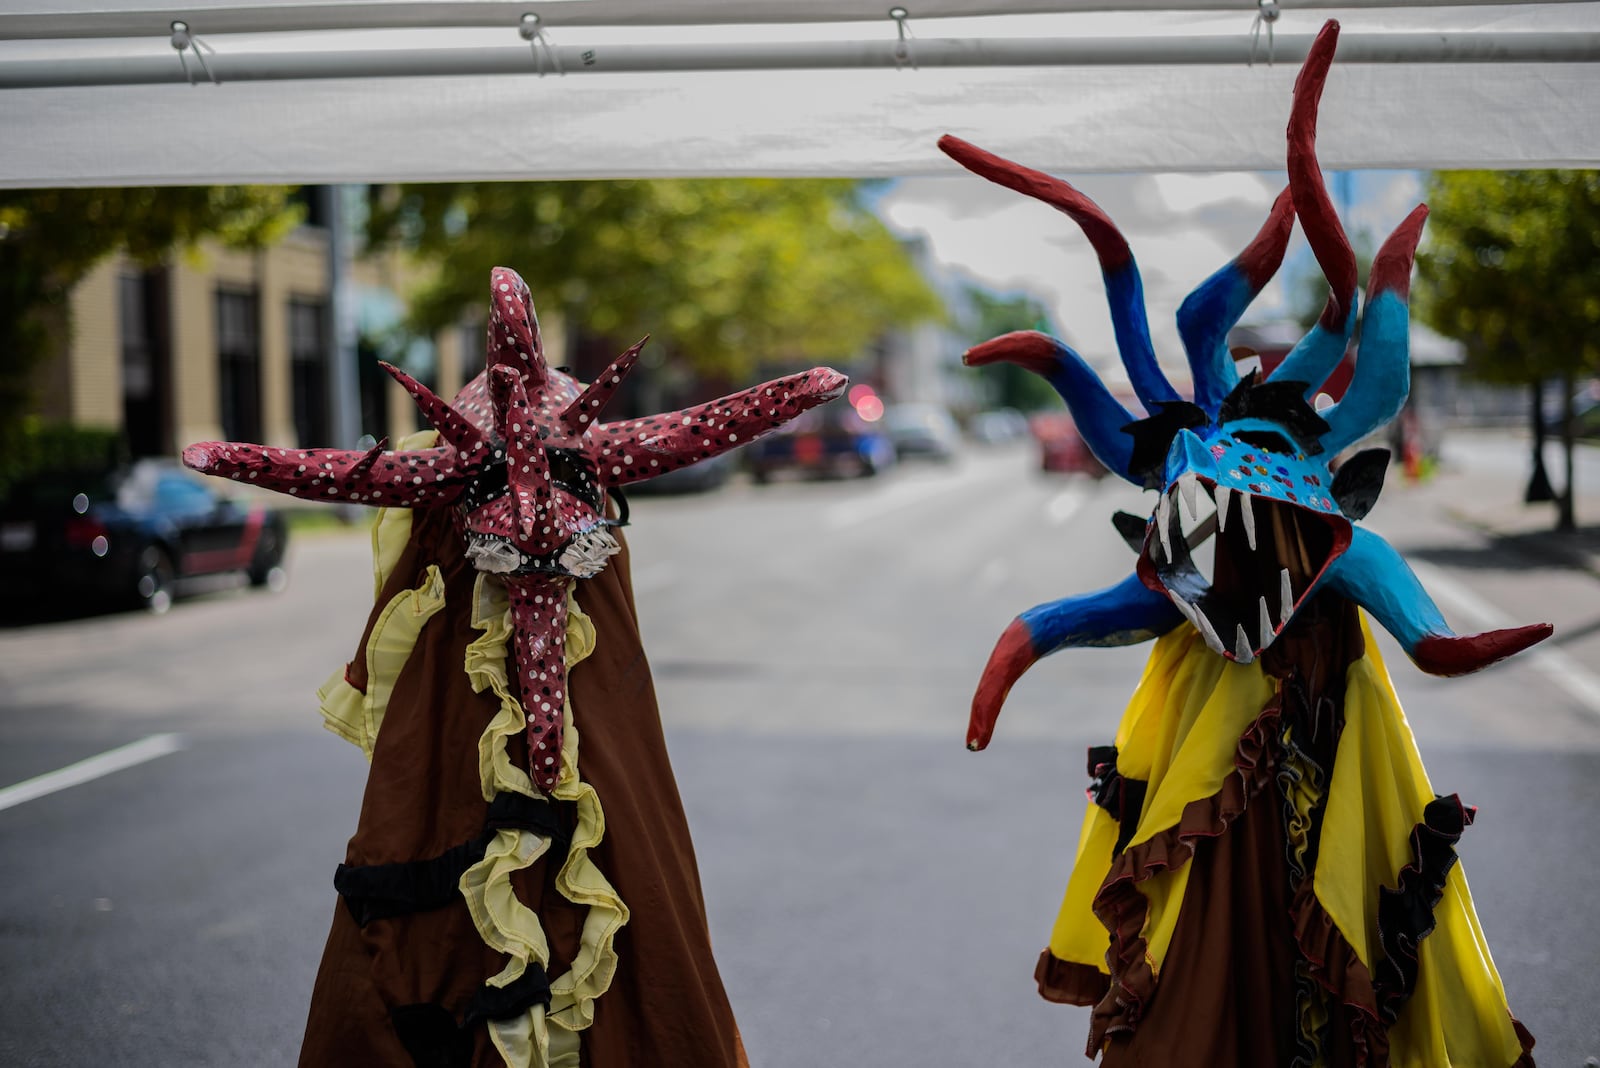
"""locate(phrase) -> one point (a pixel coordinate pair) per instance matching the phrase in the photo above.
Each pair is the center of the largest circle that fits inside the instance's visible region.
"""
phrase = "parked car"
(922, 430)
(700, 477)
(998, 427)
(830, 440)
(130, 536)
(1061, 447)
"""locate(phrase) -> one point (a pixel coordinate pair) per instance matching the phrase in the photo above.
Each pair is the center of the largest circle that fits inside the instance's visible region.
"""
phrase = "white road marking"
(1064, 505)
(1579, 683)
(146, 749)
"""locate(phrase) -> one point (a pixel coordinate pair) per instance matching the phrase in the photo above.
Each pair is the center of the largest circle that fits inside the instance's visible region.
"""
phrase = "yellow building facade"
(235, 344)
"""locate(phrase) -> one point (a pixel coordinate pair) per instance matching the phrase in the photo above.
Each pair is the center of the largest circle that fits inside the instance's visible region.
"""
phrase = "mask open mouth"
(585, 556)
(1237, 566)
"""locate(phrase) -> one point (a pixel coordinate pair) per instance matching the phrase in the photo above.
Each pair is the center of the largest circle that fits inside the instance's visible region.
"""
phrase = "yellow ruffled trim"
(356, 716)
(346, 711)
(540, 1038)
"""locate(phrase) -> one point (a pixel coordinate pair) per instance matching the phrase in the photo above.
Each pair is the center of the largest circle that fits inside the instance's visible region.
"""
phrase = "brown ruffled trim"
(1526, 1038)
(1122, 908)
(1337, 969)
(1068, 983)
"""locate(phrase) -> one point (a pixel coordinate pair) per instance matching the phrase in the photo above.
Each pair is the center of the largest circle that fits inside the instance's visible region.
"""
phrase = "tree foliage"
(725, 273)
(1511, 267)
(51, 238)
(992, 315)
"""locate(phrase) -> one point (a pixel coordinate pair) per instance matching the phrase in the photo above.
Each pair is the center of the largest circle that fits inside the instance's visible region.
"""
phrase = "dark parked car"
(830, 440)
(130, 535)
(922, 430)
(701, 477)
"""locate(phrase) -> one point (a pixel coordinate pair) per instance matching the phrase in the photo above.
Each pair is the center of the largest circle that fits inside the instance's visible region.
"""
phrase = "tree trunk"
(1539, 489)
(1566, 520)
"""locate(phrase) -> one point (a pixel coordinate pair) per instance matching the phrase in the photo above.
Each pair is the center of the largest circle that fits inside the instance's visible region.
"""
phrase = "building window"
(239, 364)
(141, 330)
(308, 361)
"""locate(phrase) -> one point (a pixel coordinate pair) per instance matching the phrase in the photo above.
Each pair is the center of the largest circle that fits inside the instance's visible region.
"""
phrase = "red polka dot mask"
(527, 464)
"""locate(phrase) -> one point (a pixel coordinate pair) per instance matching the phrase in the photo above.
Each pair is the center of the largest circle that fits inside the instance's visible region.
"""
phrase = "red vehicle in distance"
(1061, 448)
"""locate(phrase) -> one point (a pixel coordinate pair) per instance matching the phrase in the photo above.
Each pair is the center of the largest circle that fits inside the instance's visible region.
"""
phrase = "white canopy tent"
(93, 92)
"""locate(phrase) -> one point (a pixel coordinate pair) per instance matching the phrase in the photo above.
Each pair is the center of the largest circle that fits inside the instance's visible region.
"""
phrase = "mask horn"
(527, 469)
(451, 425)
(1124, 614)
(1319, 352)
(1374, 576)
(1124, 289)
(585, 412)
(514, 329)
(1099, 416)
(1382, 377)
(1207, 314)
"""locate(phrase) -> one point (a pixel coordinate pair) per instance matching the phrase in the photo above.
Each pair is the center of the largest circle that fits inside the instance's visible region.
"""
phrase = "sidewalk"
(1479, 485)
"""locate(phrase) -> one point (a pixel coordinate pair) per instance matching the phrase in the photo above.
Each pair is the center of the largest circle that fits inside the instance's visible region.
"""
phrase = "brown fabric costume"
(666, 1005)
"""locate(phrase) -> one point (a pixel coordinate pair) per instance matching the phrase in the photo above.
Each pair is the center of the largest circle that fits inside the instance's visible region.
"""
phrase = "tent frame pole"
(158, 65)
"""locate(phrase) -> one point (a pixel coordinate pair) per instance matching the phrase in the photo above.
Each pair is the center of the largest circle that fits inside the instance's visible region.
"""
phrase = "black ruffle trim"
(1405, 912)
(1118, 795)
(380, 891)
(433, 1039)
(512, 1000)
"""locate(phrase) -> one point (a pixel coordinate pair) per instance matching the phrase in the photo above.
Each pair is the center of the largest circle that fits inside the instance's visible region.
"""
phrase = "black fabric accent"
(430, 1035)
(1153, 435)
(1405, 912)
(622, 507)
(1120, 796)
(1359, 480)
(1283, 403)
(1132, 529)
(515, 998)
(380, 891)
(574, 472)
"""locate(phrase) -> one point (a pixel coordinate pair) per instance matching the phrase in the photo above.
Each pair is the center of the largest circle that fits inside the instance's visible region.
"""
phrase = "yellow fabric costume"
(1181, 734)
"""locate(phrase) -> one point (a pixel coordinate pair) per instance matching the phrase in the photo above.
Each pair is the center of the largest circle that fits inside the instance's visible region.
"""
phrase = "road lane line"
(1066, 504)
(146, 749)
(1580, 684)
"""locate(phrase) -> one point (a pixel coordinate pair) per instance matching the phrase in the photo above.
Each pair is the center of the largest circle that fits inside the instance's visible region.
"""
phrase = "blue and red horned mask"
(1248, 462)
(526, 466)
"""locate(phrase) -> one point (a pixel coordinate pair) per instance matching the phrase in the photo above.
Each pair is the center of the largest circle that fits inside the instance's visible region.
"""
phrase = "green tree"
(51, 238)
(1512, 269)
(724, 273)
(994, 314)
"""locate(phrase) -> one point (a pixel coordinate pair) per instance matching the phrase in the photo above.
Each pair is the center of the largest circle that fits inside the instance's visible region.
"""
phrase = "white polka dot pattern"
(526, 463)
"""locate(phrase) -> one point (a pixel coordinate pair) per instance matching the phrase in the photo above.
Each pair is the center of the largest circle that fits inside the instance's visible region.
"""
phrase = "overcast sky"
(1181, 228)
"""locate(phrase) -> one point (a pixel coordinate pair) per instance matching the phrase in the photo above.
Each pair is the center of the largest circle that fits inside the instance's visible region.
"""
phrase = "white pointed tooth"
(1241, 646)
(1208, 632)
(1266, 625)
(1163, 521)
(1182, 606)
(1286, 595)
(1249, 517)
(1223, 493)
(1189, 488)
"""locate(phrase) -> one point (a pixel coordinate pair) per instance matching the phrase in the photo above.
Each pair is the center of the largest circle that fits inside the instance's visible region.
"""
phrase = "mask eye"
(1265, 440)
(571, 471)
(1152, 437)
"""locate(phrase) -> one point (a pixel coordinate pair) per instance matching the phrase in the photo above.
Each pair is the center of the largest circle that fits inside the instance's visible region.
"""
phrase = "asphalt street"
(877, 894)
